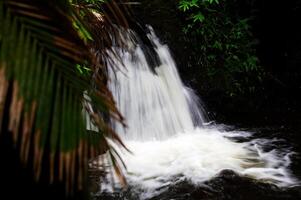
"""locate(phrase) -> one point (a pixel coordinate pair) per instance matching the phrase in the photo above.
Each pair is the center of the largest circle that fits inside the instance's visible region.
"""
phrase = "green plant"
(47, 64)
(225, 46)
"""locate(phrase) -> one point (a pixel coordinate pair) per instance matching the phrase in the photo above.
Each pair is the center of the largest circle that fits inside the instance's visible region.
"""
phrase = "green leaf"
(186, 5)
(42, 52)
(198, 17)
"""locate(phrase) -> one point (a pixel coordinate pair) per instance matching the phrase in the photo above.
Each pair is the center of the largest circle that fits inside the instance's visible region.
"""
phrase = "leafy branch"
(47, 64)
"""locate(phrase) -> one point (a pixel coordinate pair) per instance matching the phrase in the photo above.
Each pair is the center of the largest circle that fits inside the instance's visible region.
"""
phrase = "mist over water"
(168, 131)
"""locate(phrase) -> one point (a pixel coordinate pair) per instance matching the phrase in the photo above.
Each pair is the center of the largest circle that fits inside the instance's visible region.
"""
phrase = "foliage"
(47, 64)
(225, 46)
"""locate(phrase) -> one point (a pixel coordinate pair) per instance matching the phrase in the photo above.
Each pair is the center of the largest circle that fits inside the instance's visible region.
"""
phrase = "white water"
(166, 131)
(155, 103)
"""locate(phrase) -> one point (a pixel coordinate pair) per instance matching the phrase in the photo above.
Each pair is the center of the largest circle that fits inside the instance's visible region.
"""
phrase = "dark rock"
(227, 185)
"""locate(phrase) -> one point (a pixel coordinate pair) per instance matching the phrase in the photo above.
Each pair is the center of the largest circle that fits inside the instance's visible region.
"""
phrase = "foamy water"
(200, 155)
(167, 132)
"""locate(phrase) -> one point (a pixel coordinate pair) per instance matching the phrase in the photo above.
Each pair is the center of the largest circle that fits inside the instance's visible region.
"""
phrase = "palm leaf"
(39, 49)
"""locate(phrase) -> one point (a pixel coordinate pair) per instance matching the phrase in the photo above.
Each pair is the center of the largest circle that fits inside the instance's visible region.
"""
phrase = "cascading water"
(166, 128)
(155, 103)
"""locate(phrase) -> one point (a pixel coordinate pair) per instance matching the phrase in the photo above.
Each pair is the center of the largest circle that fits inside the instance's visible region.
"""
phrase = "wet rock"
(227, 185)
(296, 191)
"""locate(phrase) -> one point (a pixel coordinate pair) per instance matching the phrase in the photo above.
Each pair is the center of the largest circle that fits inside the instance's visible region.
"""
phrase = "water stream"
(170, 134)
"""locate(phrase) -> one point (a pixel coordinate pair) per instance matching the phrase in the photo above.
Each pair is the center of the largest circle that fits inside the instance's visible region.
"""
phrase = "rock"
(227, 185)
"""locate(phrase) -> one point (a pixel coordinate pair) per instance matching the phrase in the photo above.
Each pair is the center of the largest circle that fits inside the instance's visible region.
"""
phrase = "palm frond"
(39, 50)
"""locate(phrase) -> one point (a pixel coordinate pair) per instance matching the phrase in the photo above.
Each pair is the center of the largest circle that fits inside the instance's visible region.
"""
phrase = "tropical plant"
(51, 72)
(224, 45)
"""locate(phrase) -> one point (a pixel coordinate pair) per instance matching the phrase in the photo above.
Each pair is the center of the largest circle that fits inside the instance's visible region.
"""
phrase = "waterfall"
(153, 99)
(167, 132)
